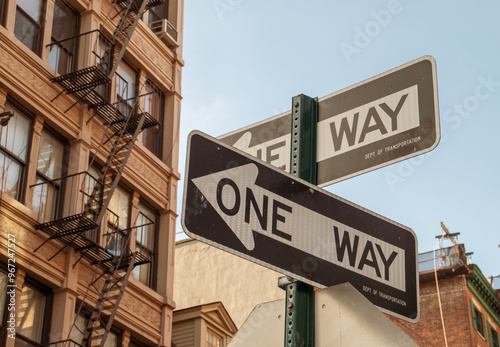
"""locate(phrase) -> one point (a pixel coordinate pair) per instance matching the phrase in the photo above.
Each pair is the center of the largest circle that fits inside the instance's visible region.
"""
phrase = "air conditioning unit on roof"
(165, 31)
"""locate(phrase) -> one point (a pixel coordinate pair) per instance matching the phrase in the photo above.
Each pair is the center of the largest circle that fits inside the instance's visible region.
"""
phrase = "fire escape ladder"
(131, 12)
(112, 170)
(123, 32)
(117, 272)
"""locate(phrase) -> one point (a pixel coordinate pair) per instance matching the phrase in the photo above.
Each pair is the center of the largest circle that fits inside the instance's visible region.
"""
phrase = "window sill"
(18, 209)
(148, 294)
(21, 53)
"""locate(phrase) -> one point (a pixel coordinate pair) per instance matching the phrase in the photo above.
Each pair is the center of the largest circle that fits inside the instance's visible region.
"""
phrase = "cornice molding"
(484, 292)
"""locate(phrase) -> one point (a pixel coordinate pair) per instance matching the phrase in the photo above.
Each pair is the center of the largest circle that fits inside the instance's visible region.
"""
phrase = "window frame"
(211, 332)
(85, 313)
(91, 180)
(46, 317)
(23, 179)
(157, 131)
(55, 181)
(70, 44)
(152, 278)
(125, 105)
(478, 321)
(159, 16)
(113, 236)
(103, 45)
(128, 194)
(40, 27)
(493, 336)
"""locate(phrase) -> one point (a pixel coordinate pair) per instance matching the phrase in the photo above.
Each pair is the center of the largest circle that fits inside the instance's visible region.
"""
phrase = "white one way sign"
(265, 215)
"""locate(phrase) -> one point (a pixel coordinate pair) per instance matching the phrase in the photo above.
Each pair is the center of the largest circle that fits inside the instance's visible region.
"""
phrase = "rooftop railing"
(442, 258)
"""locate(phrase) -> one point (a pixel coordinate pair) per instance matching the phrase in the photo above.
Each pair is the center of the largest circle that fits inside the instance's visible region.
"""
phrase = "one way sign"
(249, 208)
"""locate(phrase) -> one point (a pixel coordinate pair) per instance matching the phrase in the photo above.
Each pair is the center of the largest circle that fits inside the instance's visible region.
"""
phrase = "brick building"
(458, 306)
(89, 122)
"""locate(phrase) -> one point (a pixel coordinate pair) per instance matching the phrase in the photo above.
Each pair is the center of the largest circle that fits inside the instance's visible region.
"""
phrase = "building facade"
(205, 274)
(206, 325)
(90, 94)
(461, 308)
(458, 306)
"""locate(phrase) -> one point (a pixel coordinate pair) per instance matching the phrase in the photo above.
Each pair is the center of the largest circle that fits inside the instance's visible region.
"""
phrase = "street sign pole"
(299, 322)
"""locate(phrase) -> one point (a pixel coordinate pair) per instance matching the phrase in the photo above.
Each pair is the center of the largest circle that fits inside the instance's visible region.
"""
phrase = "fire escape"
(114, 262)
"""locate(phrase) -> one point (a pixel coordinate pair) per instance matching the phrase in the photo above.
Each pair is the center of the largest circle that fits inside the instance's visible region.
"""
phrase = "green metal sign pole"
(299, 322)
(303, 148)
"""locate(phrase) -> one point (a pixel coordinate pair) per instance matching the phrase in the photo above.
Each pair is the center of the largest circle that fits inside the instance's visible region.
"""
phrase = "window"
(14, 148)
(125, 88)
(153, 104)
(15, 141)
(28, 27)
(118, 220)
(214, 340)
(145, 243)
(158, 12)
(31, 325)
(119, 205)
(493, 336)
(78, 330)
(477, 320)
(111, 340)
(32, 308)
(90, 182)
(50, 166)
(102, 52)
(62, 51)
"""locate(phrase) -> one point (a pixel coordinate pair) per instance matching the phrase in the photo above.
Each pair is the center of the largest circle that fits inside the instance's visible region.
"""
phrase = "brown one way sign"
(256, 211)
(385, 119)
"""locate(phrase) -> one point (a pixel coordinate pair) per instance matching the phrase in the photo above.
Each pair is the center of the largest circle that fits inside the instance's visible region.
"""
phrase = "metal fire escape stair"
(72, 230)
(123, 141)
(116, 274)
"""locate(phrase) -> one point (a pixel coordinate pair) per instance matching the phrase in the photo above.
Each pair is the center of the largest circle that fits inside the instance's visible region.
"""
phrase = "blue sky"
(245, 60)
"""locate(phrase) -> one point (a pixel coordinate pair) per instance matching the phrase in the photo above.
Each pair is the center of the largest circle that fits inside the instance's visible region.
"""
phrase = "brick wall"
(428, 331)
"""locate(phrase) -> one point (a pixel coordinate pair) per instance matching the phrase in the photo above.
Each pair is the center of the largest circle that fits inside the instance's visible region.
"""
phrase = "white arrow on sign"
(247, 208)
(275, 151)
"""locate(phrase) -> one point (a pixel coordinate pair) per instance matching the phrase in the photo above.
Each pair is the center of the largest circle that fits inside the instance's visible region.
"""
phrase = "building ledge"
(430, 275)
(484, 292)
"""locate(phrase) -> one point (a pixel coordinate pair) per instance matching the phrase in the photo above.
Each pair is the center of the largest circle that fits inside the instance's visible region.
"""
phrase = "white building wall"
(204, 274)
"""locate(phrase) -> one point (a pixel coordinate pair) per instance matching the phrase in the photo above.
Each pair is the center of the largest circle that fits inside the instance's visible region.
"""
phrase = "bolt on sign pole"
(299, 322)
